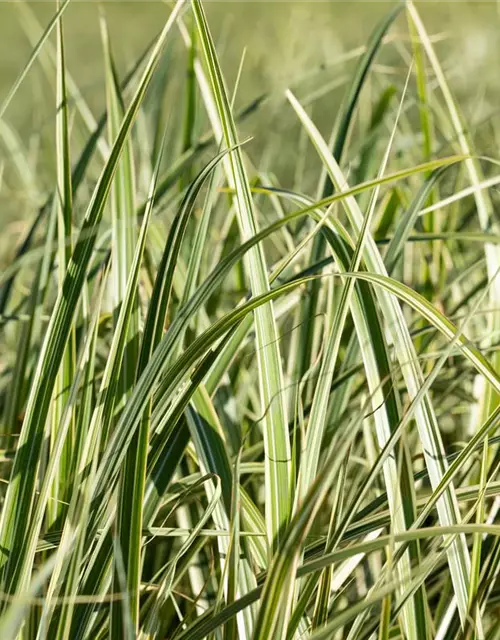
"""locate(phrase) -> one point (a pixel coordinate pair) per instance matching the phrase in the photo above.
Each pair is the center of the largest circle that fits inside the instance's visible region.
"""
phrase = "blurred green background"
(309, 46)
(285, 41)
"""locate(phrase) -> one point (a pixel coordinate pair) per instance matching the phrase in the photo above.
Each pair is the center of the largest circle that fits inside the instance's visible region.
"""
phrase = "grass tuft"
(250, 377)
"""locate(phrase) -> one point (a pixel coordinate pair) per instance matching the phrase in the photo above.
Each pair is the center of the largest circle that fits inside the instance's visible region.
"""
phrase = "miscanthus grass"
(240, 402)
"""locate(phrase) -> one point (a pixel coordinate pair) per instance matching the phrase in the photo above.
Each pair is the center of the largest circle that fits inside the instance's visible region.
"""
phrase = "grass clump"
(240, 404)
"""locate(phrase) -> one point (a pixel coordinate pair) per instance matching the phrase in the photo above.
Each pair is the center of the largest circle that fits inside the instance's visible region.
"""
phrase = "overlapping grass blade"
(133, 482)
(326, 186)
(20, 494)
(278, 478)
(64, 202)
(425, 416)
